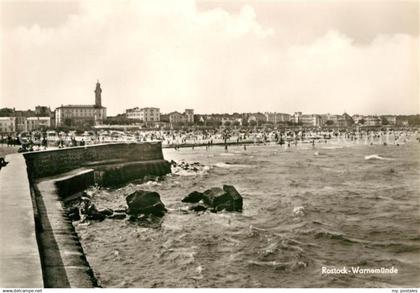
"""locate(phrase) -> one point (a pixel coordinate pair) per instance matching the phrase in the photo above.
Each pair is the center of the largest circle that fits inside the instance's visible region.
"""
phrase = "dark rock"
(216, 199)
(193, 197)
(86, 206)
(85, 196)
(89, 210)
(73, 214)
(236, 198)
(132, 218)
(227, 199)
(96, 216)
(211, 194)
(146, 203)
(106, 212)
(198, 208)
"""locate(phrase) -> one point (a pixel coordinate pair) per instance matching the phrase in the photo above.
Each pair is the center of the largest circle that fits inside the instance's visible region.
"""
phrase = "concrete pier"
(63, 261)
(20, 264)
(39, 247)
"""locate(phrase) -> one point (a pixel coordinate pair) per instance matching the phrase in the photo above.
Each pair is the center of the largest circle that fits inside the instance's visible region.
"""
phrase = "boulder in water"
(73, 214)
(236, 201)
(193, 197)
(90, 212)
(146, 203)
(218, 199)
(210, 195)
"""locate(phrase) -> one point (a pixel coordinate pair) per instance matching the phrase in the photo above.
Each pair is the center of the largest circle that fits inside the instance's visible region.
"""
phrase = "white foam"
(377, 157)
(153, 183)
(298, 211)
(227, 154)
(185, 173)
(201, 170)
(332, 147)
(224, 165)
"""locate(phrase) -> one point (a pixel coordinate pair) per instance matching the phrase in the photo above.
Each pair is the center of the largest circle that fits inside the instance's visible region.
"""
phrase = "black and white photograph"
(208, 144)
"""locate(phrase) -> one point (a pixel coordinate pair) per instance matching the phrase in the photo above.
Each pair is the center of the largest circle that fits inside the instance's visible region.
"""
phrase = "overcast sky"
(213, 56)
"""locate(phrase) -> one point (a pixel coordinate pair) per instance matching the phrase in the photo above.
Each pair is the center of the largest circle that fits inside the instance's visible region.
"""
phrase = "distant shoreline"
(190, 145)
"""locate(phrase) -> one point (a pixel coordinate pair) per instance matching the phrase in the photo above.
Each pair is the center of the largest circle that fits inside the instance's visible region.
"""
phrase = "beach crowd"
(207, 138)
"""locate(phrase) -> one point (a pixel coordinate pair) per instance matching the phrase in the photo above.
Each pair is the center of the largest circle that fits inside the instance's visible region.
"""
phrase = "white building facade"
(7, 124)
(148, 114)
(189, 113)
(275, 118)
(79, 113)
(37, 123)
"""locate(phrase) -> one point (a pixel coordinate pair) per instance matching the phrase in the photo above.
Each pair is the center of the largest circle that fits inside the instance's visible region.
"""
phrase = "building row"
(21, 123)
(298, 118)
(85, 116)
(82, 115)
(42, 118)
(151, 114)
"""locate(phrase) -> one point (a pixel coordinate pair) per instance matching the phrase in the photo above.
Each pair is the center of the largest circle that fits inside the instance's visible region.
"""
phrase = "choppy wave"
(277, 265)
(332, 147)
(377, 157)
(298, 211)
(295, 220)
(228, 154)
(230, 165)
(336, 236)
(202, 170)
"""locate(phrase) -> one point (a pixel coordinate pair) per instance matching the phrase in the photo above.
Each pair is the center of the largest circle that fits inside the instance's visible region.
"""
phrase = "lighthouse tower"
(98, 98)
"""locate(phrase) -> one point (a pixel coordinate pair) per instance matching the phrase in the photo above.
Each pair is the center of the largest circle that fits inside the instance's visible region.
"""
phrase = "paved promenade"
(20, 264)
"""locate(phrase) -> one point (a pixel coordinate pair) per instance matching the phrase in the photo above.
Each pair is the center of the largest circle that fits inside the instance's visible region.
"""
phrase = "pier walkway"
(20, 264)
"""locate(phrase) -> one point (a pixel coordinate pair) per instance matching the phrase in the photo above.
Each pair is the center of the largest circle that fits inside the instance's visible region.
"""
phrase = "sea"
(307, 210)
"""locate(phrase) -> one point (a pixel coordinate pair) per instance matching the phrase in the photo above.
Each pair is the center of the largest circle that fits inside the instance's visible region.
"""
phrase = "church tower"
(98, 92)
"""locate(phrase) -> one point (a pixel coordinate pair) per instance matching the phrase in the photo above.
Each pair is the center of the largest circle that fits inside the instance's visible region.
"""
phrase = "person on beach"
(44, 143)
(3, 162)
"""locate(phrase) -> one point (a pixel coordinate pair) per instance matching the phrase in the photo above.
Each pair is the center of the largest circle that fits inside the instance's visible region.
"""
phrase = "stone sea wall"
(117, 174)
(74, 183)
(60, 175)
(52, 162)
